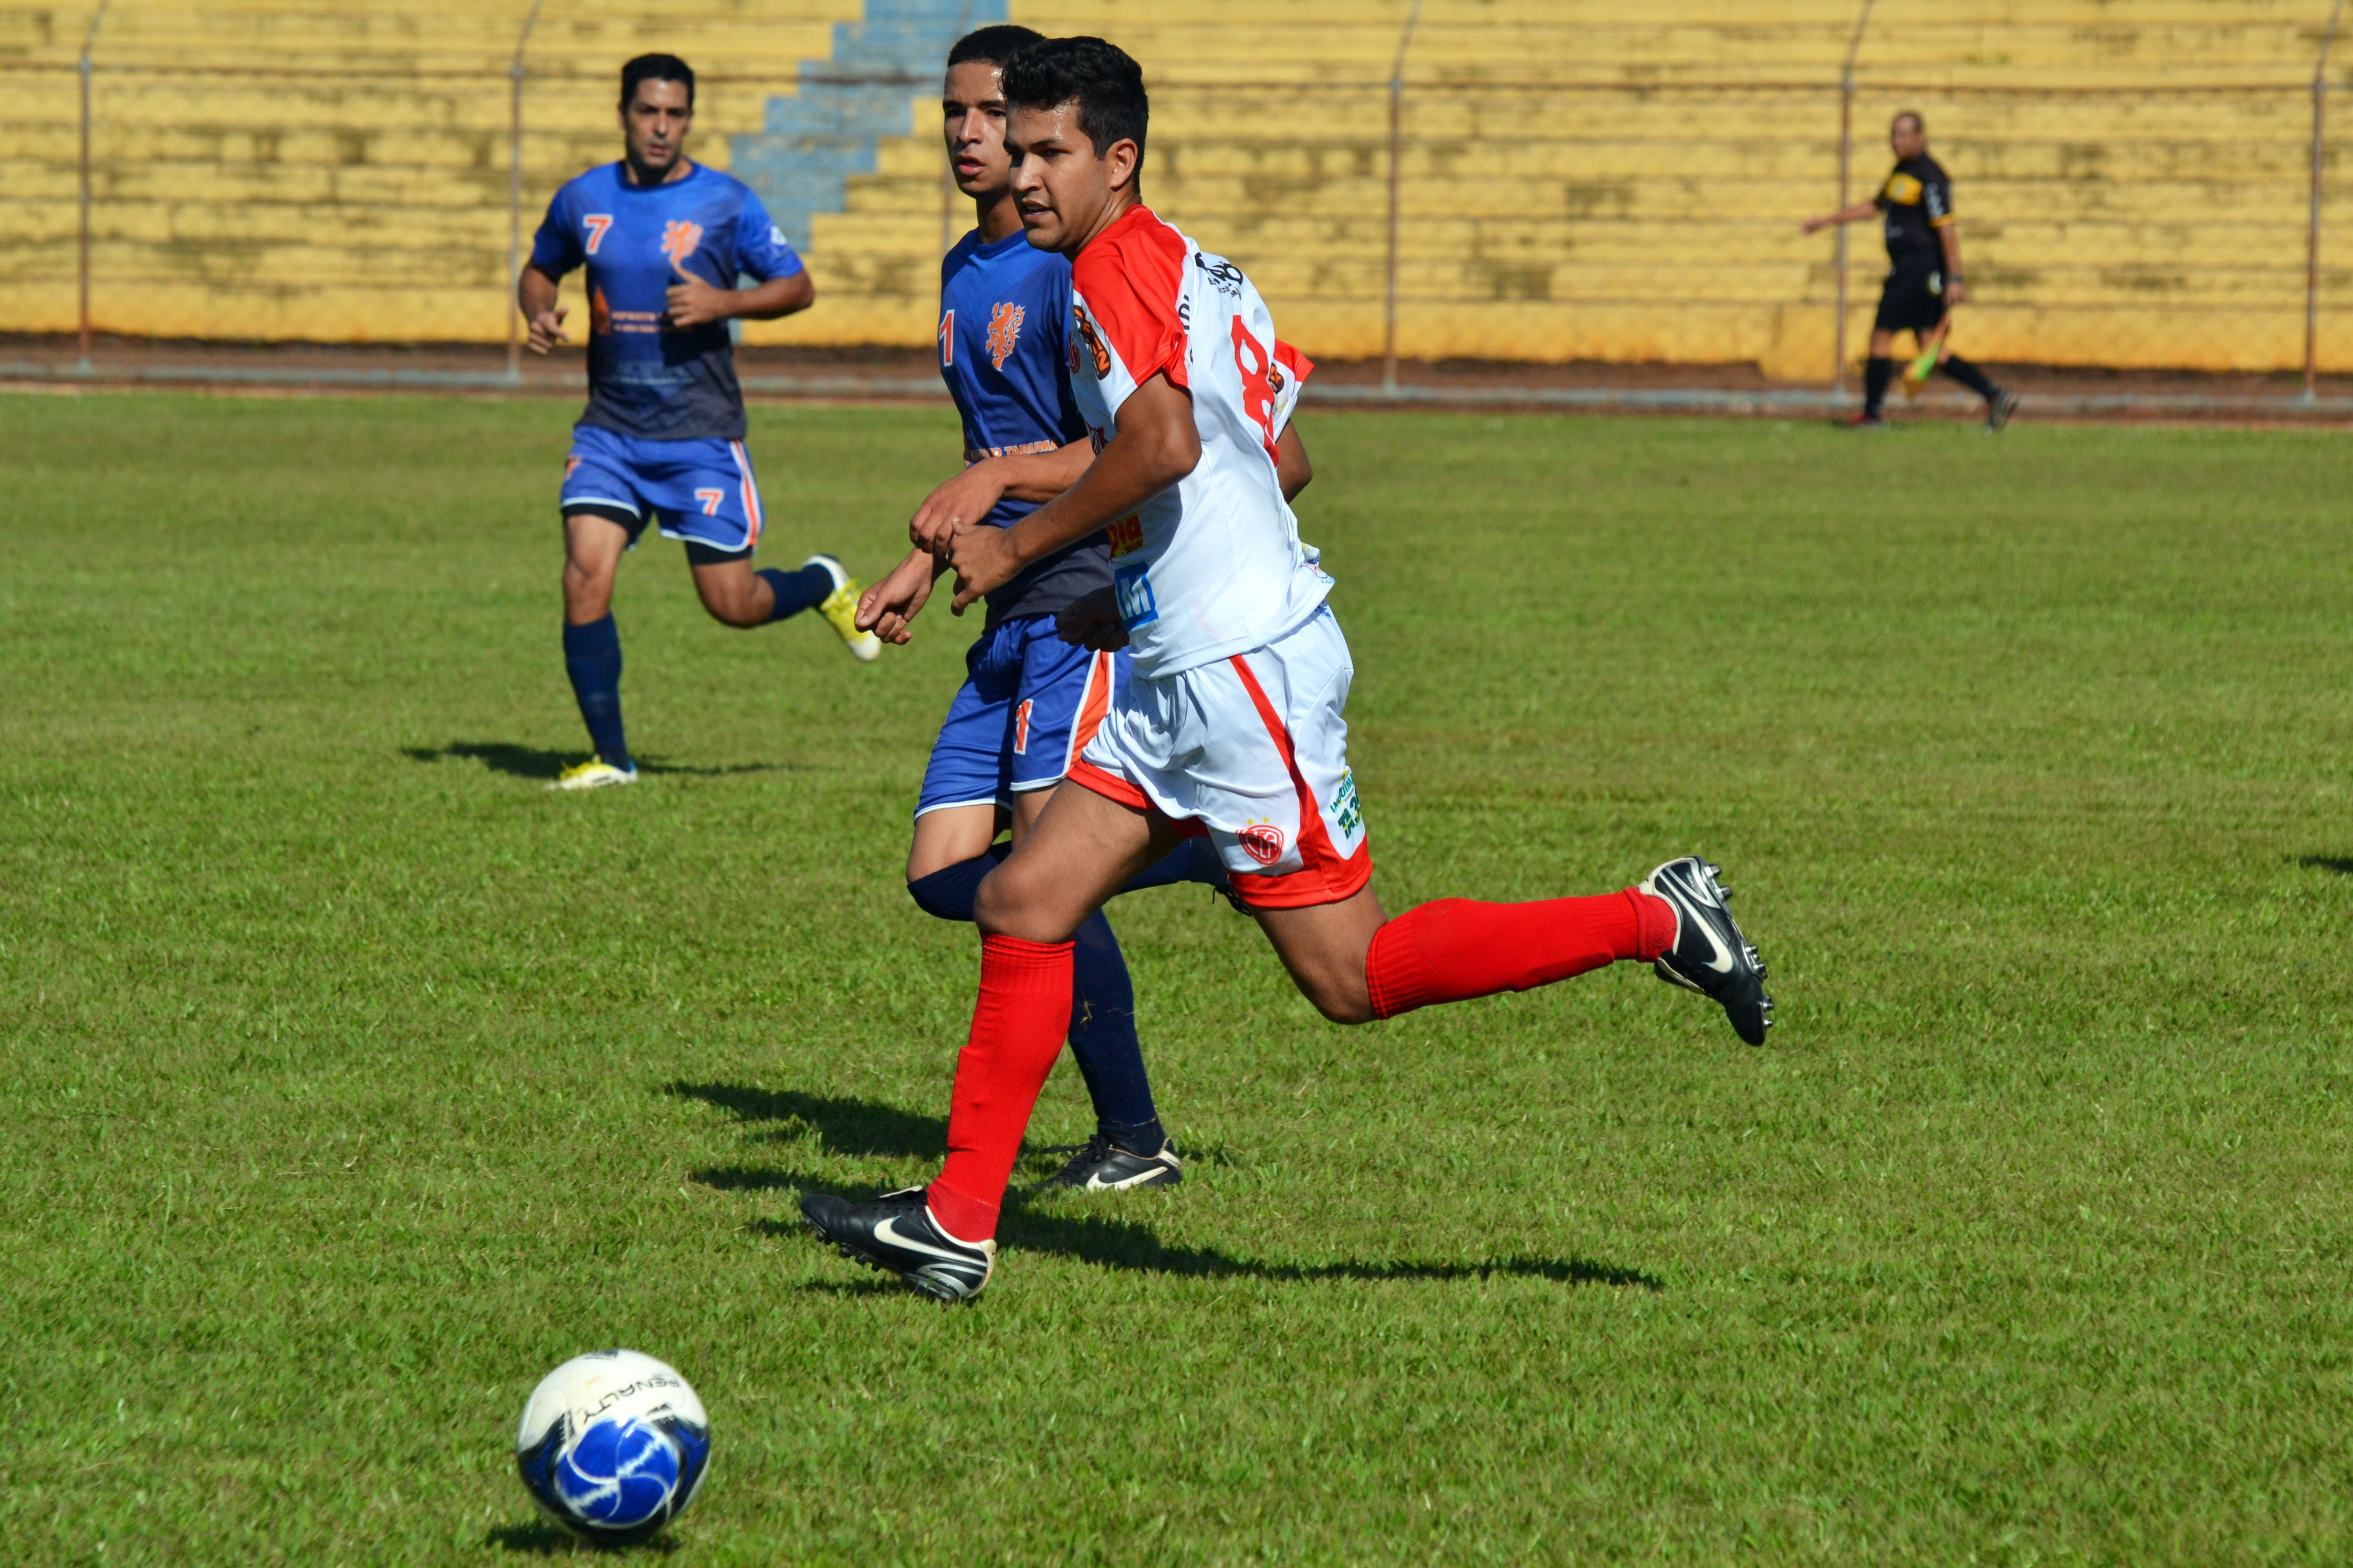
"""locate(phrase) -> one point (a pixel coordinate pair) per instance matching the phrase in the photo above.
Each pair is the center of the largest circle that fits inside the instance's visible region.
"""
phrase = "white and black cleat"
(897, 1234)
(1710, 955)
(1100, 1165)
(1998, 410)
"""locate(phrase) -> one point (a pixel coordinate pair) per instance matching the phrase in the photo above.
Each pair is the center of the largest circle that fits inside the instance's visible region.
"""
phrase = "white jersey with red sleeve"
(1213, 565)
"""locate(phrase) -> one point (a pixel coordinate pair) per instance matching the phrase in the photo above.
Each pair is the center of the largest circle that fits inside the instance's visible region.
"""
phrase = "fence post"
(2312, 232)
(1397, 159)
(82, 253)
(514, 194)
(1846, 170)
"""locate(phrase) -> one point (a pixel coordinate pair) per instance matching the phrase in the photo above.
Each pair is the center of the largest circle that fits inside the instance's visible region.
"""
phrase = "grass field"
(352, 1080)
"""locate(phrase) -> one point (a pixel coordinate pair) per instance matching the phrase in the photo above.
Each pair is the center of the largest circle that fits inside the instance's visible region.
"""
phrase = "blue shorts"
(1030, 704)
(701, 491)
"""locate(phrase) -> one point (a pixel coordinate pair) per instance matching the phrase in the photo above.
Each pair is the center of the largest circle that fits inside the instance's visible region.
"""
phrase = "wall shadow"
(539, 762)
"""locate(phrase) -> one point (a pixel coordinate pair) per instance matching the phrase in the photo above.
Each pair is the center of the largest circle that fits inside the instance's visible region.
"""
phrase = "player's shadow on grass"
(862, 1128)
(2340, 864)
(858, 1126)
(538, 762)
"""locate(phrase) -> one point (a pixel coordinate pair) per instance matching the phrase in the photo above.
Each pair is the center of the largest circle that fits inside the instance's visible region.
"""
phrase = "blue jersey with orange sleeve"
(645, 379)
(1005, 316)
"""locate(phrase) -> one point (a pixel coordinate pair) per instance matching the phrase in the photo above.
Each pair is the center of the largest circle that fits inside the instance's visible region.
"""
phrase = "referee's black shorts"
(1911, 301)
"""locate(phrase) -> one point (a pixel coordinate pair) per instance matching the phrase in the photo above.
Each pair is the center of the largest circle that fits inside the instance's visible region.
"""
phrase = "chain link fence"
(1411, 218)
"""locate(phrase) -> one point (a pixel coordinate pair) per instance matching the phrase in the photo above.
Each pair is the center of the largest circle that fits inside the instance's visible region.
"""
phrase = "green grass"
(352, 1080)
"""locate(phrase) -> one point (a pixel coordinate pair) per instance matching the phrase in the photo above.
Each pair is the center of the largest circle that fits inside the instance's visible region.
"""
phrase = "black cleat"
(897, 1234)
(1710, 955)
(1100, 1165)
(1997, 412)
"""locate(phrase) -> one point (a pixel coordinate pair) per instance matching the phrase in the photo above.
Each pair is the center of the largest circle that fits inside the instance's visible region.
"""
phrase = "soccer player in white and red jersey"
(1230, 726)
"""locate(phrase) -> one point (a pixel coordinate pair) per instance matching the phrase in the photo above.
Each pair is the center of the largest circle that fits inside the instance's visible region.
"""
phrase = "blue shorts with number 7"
(1030, 704)
(700, 491)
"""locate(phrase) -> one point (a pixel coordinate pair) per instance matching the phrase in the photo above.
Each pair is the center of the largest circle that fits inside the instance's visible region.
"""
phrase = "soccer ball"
(613, 1444)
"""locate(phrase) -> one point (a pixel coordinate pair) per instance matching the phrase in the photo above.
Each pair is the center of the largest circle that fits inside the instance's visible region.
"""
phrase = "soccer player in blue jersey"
(1030, 701)
(664, 241)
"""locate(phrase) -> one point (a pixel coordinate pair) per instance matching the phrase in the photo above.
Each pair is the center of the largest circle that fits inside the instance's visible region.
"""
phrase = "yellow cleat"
(841, 607)
(595, 774)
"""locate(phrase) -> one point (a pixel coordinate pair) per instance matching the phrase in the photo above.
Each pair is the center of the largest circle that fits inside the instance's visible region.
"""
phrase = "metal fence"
(1404, 217)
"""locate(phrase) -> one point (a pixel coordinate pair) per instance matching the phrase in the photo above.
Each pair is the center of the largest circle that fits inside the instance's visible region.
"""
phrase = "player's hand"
(887, 607)
(1093, 623)
(1955, 291)
(1811, 224)
(692, 302)
(965, 498)
(547, 328)
(984, 558)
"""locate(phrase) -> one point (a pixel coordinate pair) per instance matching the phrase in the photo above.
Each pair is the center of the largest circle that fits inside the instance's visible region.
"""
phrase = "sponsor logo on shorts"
(1346, 815)
(1127, 536)
(1004, 331)
(1262, 842)
(1021, 729)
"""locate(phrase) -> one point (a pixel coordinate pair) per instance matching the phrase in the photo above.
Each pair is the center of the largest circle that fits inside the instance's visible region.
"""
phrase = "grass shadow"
(539, 763)
(860, 1127)
(2340, 864)
(1133, 1248)
(541, 1539)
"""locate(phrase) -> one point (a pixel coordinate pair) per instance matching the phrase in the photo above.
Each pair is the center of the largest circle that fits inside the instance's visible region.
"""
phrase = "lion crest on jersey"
(1004, 331)
(1086, 333)
(679, 239)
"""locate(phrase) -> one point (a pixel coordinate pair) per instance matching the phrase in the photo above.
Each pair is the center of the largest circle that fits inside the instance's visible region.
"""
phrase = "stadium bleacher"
(1580, 180)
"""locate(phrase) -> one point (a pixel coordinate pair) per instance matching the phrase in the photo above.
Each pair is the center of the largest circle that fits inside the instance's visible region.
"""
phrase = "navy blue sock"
(592, 656)
(1102, 1038)
(1102, 1006)
(1970, 376)
(1194, 860)
(796, 591)
(948, 893)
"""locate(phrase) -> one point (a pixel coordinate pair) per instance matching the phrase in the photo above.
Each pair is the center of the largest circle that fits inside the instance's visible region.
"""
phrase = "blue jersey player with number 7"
(663, 241)
(1031, 701)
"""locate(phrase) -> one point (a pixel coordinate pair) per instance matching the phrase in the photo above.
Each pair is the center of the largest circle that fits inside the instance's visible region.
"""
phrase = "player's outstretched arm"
(1157, 445)
(1855, 214)
(535, 294)
(1292, 471)
(974, 493)
(886, 608)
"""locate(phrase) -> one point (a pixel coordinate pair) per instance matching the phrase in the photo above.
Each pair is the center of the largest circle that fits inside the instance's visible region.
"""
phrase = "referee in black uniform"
(1924, 280)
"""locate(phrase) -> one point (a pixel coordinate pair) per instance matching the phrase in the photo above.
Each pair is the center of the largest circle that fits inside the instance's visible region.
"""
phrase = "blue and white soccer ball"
(613, 1444)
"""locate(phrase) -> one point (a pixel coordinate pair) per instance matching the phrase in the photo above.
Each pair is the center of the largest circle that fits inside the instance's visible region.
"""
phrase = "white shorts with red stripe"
(1251, 749)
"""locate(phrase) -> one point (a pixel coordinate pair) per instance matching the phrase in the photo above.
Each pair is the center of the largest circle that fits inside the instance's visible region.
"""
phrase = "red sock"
(1455, 949)
(1017, 1026)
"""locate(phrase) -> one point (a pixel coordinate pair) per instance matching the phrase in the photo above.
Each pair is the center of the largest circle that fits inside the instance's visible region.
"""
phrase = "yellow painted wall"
(1580, 180)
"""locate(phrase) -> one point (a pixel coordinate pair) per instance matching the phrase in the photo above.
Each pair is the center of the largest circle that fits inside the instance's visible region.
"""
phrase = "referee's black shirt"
(1918, 201)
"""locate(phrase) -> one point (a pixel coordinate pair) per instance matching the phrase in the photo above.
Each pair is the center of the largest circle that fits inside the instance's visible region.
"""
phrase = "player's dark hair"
(1914, 116)
(656, 67)
(1100, 78)
(994, 46)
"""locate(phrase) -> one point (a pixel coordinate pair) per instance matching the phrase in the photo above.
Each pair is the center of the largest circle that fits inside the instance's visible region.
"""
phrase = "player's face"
(1068, 195)
(972, 108)
(656, 122)
(1907, 139)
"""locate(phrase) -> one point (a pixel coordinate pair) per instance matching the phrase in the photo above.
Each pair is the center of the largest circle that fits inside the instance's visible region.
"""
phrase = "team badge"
(1902, 190)
(1262, 842)
(1094, 344)
(679, 239)
(1004, 331)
